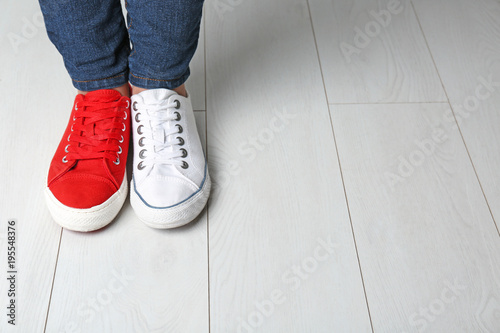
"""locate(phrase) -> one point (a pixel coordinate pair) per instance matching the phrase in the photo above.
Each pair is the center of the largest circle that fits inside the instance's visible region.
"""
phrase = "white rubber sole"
(88, 219)
(172, 217)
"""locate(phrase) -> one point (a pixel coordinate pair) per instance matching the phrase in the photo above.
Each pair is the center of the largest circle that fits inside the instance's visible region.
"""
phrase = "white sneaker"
(170, 182)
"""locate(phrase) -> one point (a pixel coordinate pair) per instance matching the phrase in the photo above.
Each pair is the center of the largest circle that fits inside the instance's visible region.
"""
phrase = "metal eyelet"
(137, 117)
(69, 136)
(121, 139)
(180, 128)
(72, 127)
(140, 166)
(117, 161)
(66, 149)
(76, 106)
(141, 142)
(128, 104)
(120, 150)
(124, 127)
(74, 118)
(125, 118)
(139, 129)
(134, 106)
(64, 160)
(184, 153)
(184, 165)
(178, 116)
(178, 104)
(181, 141)
(141, 153)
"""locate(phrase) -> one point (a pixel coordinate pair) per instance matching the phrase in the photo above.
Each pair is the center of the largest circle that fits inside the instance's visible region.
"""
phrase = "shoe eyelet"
(141, 142)
(140, 166)
(178, 116)
(134, 106)
(66, 148)
(141, 153)
(117, 161)
(74, 118)
(69, 136)
(184, 165)
(124, 127)
(181, 141)
(126, 116)
(184, 153)
(119, 150)
(76, 106)
(139, 129)
(177, 104)
(64, 160)
(128, 104)
(137, 117)
(72, 127)
(180, 128)
(121, 139)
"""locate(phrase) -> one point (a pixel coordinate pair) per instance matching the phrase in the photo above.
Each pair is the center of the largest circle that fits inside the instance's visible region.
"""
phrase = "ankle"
(181, 90)
(123, 90)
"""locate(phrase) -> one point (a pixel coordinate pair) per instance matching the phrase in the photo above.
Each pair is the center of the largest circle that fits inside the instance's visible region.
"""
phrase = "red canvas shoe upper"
(89, 164)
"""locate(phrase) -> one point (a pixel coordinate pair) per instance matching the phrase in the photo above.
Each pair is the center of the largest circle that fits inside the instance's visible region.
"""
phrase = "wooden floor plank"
(429, 252)
(278, 199)
(373, 51)
(28, 140)
(196, 82)
(467, 55)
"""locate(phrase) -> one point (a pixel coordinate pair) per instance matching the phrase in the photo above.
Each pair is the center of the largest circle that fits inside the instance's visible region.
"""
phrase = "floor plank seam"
(206, 149)
(340, 165)
(455, 117)
(382, 103)
(53, 280)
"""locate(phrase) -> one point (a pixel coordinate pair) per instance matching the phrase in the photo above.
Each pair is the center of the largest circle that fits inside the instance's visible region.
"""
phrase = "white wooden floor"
(355, 150)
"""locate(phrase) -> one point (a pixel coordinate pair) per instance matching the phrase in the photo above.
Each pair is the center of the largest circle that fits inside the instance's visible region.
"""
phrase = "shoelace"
(97, 131)
(167, 151)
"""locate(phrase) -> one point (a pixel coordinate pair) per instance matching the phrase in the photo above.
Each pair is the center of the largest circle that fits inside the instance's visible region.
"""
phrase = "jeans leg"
(92, 38)
(164, 36)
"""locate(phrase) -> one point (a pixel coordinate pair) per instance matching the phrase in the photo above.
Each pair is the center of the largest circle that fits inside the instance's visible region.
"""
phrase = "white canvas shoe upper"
(169, 164)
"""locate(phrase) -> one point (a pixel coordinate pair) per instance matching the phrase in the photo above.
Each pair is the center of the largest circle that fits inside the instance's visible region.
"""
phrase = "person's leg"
(164, 36)
(92, 39)
(87, 184)
(170, 182)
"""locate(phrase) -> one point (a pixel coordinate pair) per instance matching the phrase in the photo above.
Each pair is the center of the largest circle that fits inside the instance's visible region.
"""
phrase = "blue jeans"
(100, 51)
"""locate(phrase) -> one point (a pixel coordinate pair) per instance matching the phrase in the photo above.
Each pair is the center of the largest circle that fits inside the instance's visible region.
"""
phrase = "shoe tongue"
(154, 96)
(103, 95)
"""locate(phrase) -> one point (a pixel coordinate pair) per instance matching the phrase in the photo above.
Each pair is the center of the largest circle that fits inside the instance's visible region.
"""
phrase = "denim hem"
(151, 83)
(104, 83)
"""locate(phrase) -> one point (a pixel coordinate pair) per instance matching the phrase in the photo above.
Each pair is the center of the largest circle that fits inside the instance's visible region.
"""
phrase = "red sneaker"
(87, 183)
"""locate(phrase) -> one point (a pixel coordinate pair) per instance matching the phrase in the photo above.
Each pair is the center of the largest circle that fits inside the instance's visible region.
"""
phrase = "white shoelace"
(167, 151)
